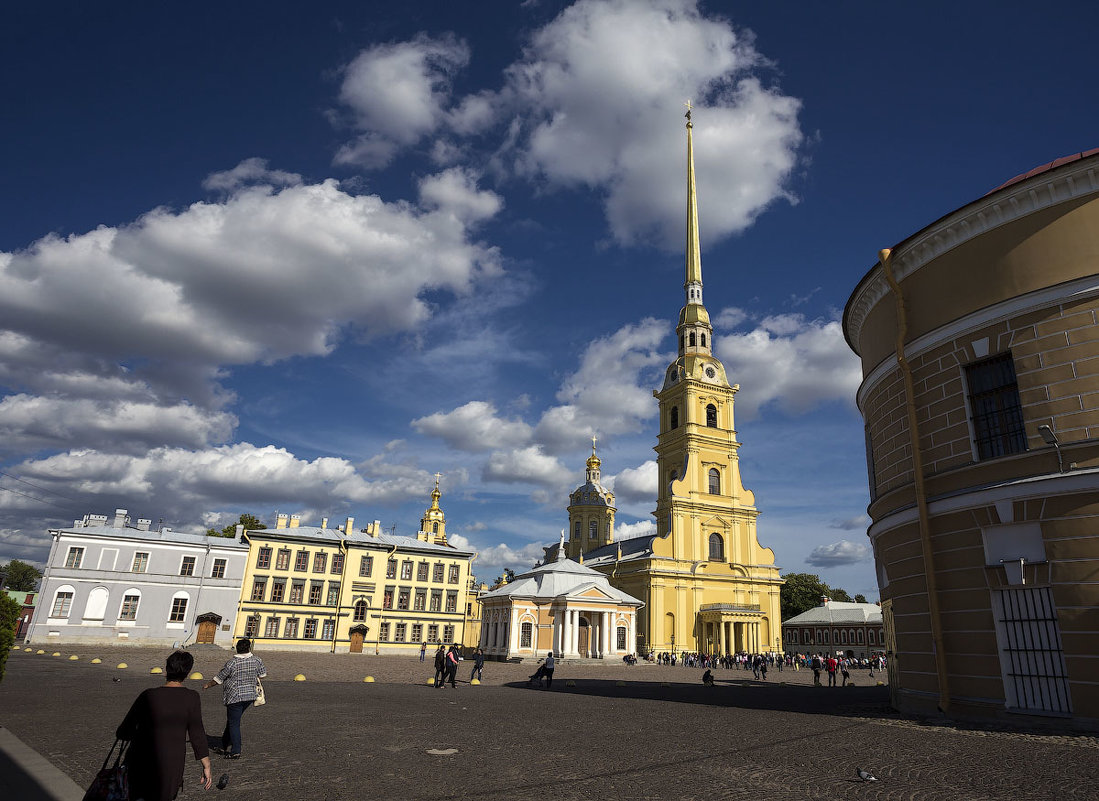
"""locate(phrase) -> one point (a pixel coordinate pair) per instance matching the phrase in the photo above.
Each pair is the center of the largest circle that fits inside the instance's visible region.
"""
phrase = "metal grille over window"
(1033, 663)
(994, 404)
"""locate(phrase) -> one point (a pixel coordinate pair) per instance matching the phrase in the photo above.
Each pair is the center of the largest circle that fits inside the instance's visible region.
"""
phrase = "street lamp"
(1051, 439)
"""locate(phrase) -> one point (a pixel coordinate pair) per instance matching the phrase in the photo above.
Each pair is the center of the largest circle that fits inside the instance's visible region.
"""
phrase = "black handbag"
(111, 783)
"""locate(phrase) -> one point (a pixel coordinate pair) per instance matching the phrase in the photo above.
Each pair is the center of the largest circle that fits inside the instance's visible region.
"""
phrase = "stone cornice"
(1074, 180)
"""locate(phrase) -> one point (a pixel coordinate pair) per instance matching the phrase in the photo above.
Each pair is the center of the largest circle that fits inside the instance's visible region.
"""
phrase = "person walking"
(238, 677)
(478, 665)
(816, 665)
(452, 666)
(846, 671)
(157, 727)
(423, 651)
(830, 665)
(440, 666)
(547, 669)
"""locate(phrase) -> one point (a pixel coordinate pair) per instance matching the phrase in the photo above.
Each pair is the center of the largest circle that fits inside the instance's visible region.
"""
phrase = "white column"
(612, 641)
(513, 641)
(574, 640)
(631, 632)
(556, 631)
(605, 625)
(566, 630)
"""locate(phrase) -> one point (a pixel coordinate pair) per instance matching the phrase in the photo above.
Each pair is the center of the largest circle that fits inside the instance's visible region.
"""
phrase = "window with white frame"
(62, 602)
(400, 632)
(406, 570)
(179, 608)
(130, 601)
(432, 632)
(328, 629)
(75, 557)
(621, 638)
(452, 601)
(448, 633)
(383, 632)
(218, 570)
(187, 566)
(141, 562)
(417, 632)
(291, 632)
(526, 635)
(271, 630)
(454, 574)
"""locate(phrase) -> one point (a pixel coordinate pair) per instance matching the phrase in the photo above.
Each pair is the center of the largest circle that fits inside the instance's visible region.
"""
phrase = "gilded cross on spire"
(688, 114)
(593, 445)
(437, 477)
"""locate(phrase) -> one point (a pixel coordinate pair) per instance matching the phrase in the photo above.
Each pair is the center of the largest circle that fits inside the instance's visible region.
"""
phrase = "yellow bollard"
(57, 653)
(474, 681)
(368, 679)
(196, 676)
(430, 682)
(73, 658)
(97, 661)
(300, 677)
(157, 670)
(40, 651)
(28, 650)
(122, 665)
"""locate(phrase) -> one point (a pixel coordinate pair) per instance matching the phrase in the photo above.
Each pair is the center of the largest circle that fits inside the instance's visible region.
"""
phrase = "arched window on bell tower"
(717, 548)
(691, 339)
(715, 481)
(674, 417)
(593, 529)
(703, 338)
(711, 416)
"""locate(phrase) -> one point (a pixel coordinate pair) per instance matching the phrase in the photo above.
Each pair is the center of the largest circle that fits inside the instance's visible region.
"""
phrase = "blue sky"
(261, 258)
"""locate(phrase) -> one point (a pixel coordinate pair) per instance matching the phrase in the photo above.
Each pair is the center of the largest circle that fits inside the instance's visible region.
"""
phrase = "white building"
(109, 582)
(562, 607)
(852, 629)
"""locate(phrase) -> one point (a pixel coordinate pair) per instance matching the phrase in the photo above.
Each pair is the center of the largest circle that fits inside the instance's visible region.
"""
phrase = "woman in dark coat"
(157, 726)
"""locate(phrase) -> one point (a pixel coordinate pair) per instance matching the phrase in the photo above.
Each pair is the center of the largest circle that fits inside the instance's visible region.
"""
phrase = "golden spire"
(435, 494)
(694, 258)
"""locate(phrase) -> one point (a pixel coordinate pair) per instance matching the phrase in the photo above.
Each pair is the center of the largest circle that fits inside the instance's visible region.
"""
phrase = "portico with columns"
(562, 607)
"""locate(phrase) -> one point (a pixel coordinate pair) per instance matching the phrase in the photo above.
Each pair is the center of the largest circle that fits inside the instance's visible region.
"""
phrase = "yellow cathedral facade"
(705, 581)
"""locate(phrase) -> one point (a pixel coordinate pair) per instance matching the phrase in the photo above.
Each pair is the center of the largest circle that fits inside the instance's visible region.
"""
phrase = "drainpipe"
(201, 582)
(886, 258)
(339, 598)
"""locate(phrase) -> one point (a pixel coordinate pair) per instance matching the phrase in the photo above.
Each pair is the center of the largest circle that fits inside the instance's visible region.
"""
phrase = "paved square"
(658, 735)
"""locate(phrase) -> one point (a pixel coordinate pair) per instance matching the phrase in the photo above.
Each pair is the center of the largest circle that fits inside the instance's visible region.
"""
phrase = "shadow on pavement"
(18, 784)
(853, 700)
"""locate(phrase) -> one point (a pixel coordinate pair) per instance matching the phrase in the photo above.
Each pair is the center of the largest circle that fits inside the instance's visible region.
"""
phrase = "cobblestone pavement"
(617, 732)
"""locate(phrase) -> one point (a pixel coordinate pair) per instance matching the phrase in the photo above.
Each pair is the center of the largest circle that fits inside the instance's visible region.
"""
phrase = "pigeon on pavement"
(866, 775)
(223, 782)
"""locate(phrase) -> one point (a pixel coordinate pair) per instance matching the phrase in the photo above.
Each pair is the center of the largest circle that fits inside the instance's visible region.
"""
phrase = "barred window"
(994, 404)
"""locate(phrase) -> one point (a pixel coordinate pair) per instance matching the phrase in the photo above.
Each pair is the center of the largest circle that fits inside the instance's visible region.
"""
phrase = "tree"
(800, 593)
(860, 598)
(21, 576)
(249, 521)
(10, 610)
(839, 594)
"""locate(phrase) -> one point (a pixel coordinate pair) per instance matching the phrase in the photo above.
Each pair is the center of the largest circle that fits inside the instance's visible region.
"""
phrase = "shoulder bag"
(111, 783)
(261, 696)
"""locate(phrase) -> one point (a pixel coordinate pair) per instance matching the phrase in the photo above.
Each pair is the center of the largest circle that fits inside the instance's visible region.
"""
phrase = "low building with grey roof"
(850, 629)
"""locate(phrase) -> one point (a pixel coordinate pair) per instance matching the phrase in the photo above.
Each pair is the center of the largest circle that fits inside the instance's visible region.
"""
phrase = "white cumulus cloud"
(843, 552)
(474, 427)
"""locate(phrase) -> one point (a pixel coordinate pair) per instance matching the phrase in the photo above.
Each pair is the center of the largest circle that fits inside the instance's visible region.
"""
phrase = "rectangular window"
(387, 599)
(179, 610)
(187, 566)
(315, 590)
(282, 562)
(320, 562)
(417, 632)
(75, 557)
(391, 569)
(297, 592)
(421, 571)
(437, 573)
(366, 565)
(263, 559)
(402, 630)
(251, 626)
(291, 632)
(328, 630)
(218, 570)
(402, 598)
(406, 571)
(433, 633)
(452, 601)
(259, 589)
(436, 600)
(310, 629)
(421, 600)
(62, 603)
(278, 590)
(383, 632)
(333, 593)
(129, 607)
(994, 404)
(141, 562)
(621, 638)
(337, 563)
(526, 632)
(448, 634)
(271, 630)
(455, 571)
(301, 561)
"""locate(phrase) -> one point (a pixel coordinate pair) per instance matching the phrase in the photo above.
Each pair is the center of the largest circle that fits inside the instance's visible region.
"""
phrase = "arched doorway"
(207, 628)
(583, 637)
(358, 634)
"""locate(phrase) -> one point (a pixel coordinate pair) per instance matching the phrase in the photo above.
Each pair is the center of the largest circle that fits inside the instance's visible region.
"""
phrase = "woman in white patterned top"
(238, 678)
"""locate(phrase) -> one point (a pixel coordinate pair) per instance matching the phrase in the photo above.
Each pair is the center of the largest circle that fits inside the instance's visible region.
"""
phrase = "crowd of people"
(760, 663)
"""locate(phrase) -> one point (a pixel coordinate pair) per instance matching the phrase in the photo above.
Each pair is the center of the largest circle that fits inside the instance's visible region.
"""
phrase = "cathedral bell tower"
(591, 512)
(433, 523)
